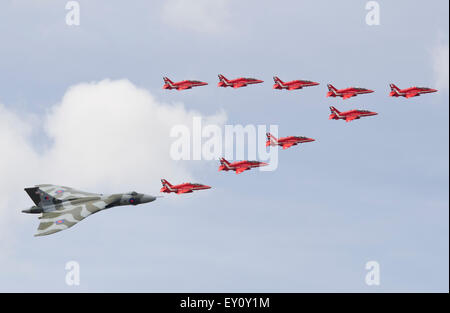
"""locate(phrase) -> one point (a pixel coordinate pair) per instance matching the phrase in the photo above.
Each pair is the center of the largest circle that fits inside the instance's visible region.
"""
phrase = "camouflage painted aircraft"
(62, 207)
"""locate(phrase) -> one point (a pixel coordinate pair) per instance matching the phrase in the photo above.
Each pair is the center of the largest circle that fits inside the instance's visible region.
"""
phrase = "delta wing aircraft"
(62, 207)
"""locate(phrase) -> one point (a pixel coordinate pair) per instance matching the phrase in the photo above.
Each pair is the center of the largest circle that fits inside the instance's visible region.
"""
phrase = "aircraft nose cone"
(147, 198)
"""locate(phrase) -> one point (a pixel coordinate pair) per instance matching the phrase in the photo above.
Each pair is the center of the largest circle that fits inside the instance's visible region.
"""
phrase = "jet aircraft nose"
(147, 198)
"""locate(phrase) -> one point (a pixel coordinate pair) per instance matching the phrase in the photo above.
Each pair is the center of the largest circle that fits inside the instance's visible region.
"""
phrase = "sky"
(83, 106)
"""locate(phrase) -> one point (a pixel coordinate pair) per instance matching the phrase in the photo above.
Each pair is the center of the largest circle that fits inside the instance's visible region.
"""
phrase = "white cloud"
(107, 136)
(440, 57)
(205, 16)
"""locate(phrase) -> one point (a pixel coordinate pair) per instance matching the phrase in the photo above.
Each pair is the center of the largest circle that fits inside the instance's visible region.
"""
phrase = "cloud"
(203, 16)
(440, 58)
(107, 136)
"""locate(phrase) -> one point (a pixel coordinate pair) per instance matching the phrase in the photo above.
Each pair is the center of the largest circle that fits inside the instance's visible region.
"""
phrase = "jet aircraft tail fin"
(271, 140)
(168, 81)
(222, 78)
(278, 81)
(224, 162)
(334, 110)
(394, 88)
(331, 88)
(165, 183)
(41, 198)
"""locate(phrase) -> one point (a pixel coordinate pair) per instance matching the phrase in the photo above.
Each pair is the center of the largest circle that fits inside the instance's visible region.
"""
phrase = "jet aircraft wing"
(241, 169)
(52, 222)
(411, 94)
(293, 87)
(288, 145)
(186, 190)
(348, 95)
(65, 193)
(351, 117)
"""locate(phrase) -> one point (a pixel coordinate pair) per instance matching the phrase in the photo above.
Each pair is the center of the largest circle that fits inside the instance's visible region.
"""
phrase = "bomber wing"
(69, 215)
(65, 193)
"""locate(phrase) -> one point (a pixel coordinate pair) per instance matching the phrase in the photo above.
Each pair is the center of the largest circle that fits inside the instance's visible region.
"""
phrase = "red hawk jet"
(238, 82)
(286, 142)
(409, 92)
(182, 188)
(347, 92)
(295, 84)
(239, 166)
(185, 84)
(349, 115)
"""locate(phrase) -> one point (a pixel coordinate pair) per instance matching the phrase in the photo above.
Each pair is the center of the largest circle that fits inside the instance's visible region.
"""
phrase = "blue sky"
(373, 189)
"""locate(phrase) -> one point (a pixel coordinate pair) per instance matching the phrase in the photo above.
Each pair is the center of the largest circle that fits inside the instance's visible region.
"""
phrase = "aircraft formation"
(63, 207)
(344, 93)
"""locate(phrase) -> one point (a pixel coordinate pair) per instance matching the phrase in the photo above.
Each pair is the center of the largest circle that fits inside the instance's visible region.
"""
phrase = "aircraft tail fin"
(394, 88)
(278, 81)
(334, 110)
(224, 162)
(222, 78)
(168, 81)
(41, 198)
(271, 140)
(331, 88)
(165, 183)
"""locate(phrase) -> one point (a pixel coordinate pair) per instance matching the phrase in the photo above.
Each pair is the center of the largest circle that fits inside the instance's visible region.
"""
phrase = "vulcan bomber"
(62, 207)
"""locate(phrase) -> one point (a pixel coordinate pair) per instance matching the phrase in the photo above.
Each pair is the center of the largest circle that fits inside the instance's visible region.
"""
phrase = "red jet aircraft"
(185, 84)
(239, 166)
(286, 142)
(238, 82)
(295, 84)
(347, 92)
(409, 92)
(349, 115)
(182, 188)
